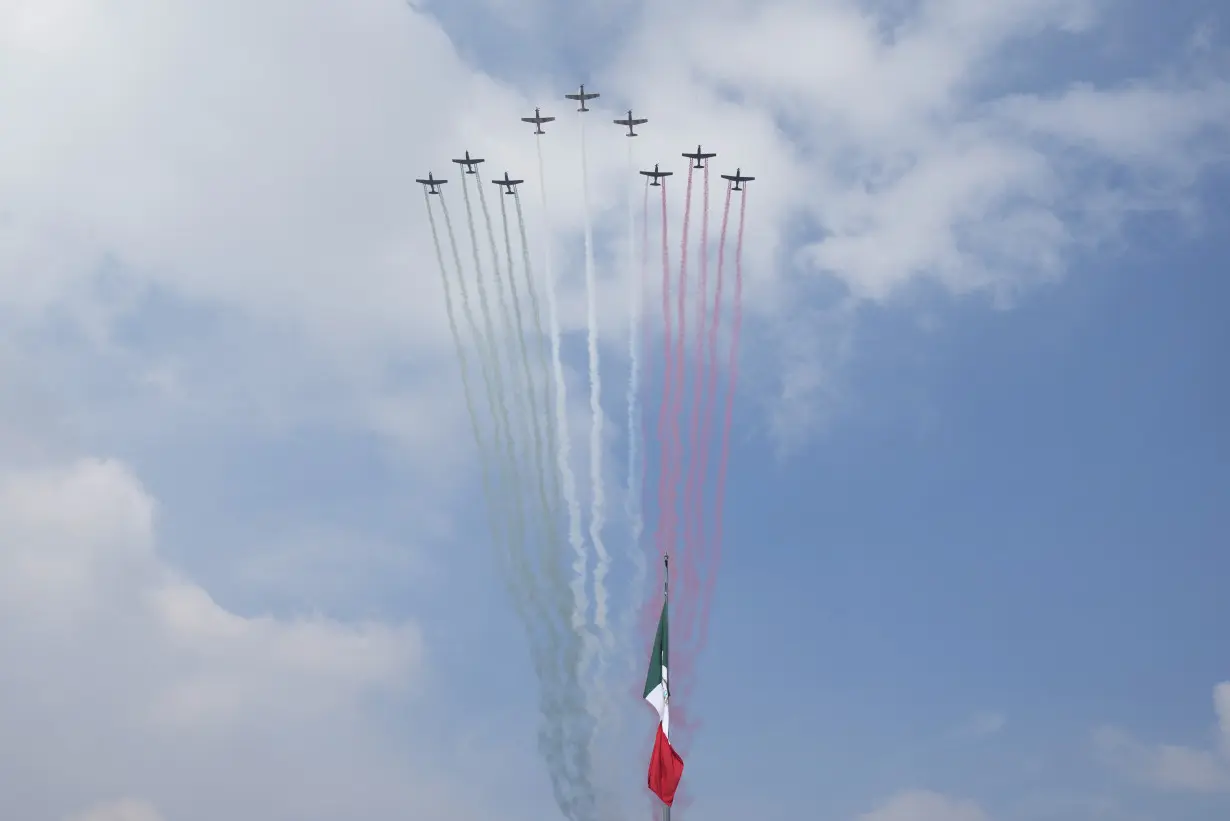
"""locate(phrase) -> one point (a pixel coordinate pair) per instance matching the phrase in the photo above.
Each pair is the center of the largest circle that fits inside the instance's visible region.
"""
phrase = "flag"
(665, 765)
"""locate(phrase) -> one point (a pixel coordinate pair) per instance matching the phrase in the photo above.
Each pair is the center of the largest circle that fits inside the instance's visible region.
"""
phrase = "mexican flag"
(665, 766)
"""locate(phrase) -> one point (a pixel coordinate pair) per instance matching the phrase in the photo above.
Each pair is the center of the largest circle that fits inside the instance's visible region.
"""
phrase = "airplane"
(433, 185)
(656, 174)
(537, 120)
(582, 96)
(468, 163)
(631, 122)
(507, 183)
(698, 157)
(737, 178)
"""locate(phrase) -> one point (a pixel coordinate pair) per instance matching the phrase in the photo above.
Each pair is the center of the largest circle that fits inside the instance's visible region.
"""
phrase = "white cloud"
(1173, 766)
(276, 186)
(922, 805)
(253, 164)
(985, 724)
(78, 556)
(897, 148)
(126, 810)
(121, 676)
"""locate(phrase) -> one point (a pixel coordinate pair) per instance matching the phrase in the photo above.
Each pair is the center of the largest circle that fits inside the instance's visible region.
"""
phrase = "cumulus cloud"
(208, 221)
(275, 187)
(892, 144)
(123, 676)
(1173, 766)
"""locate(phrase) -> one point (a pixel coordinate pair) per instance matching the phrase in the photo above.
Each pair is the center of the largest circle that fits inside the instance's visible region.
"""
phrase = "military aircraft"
(631, 122)
(656, 174)
(582, 97)
(507, 183)
(433, 185)
(698, 156)
(737, 178)
(468, 163)
(537, 120)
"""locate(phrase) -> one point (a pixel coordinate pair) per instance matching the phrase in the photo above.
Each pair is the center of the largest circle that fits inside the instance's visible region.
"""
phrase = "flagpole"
(666, 595)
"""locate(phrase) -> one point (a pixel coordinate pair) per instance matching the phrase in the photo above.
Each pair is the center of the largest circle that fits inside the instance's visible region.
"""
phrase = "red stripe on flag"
(665, 769)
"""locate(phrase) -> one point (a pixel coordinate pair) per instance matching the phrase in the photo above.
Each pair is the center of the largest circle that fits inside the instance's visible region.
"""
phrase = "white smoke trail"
(597, 518)
(580, 601)
(632, 502)
(551, 594)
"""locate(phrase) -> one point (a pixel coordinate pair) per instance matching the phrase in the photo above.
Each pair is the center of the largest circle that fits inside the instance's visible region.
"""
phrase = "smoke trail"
(661, 536)
(632, 499)
(499, 409)
(495, 387)
(693, 495)
(505, 318)
(484, 454)
(528, 395)
(506, 330)
(563, 456)
(555, 598)
(468, 312)
(554, 708)
(564, 452)
(711, 381)
(598, 503)
(555, 694)
(557, 582)
(687, 561)
(649, 615)
(731, 383)
(543, 349)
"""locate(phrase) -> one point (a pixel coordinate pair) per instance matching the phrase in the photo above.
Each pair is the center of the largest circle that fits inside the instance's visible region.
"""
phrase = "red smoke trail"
(731, 383)
(706, 426)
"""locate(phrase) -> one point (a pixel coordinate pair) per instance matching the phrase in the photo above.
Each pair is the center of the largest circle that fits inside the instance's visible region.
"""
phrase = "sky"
(979, 459)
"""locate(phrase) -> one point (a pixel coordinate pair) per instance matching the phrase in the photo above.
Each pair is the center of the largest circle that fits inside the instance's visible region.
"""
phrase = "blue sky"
(1026, 522)
(972, 568)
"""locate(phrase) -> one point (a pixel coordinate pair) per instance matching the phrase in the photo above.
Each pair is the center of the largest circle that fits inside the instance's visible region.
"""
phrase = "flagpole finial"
(666, 578)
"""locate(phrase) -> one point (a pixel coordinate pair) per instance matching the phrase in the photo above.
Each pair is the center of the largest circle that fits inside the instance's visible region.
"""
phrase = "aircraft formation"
(582, 96)
(584, 624)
